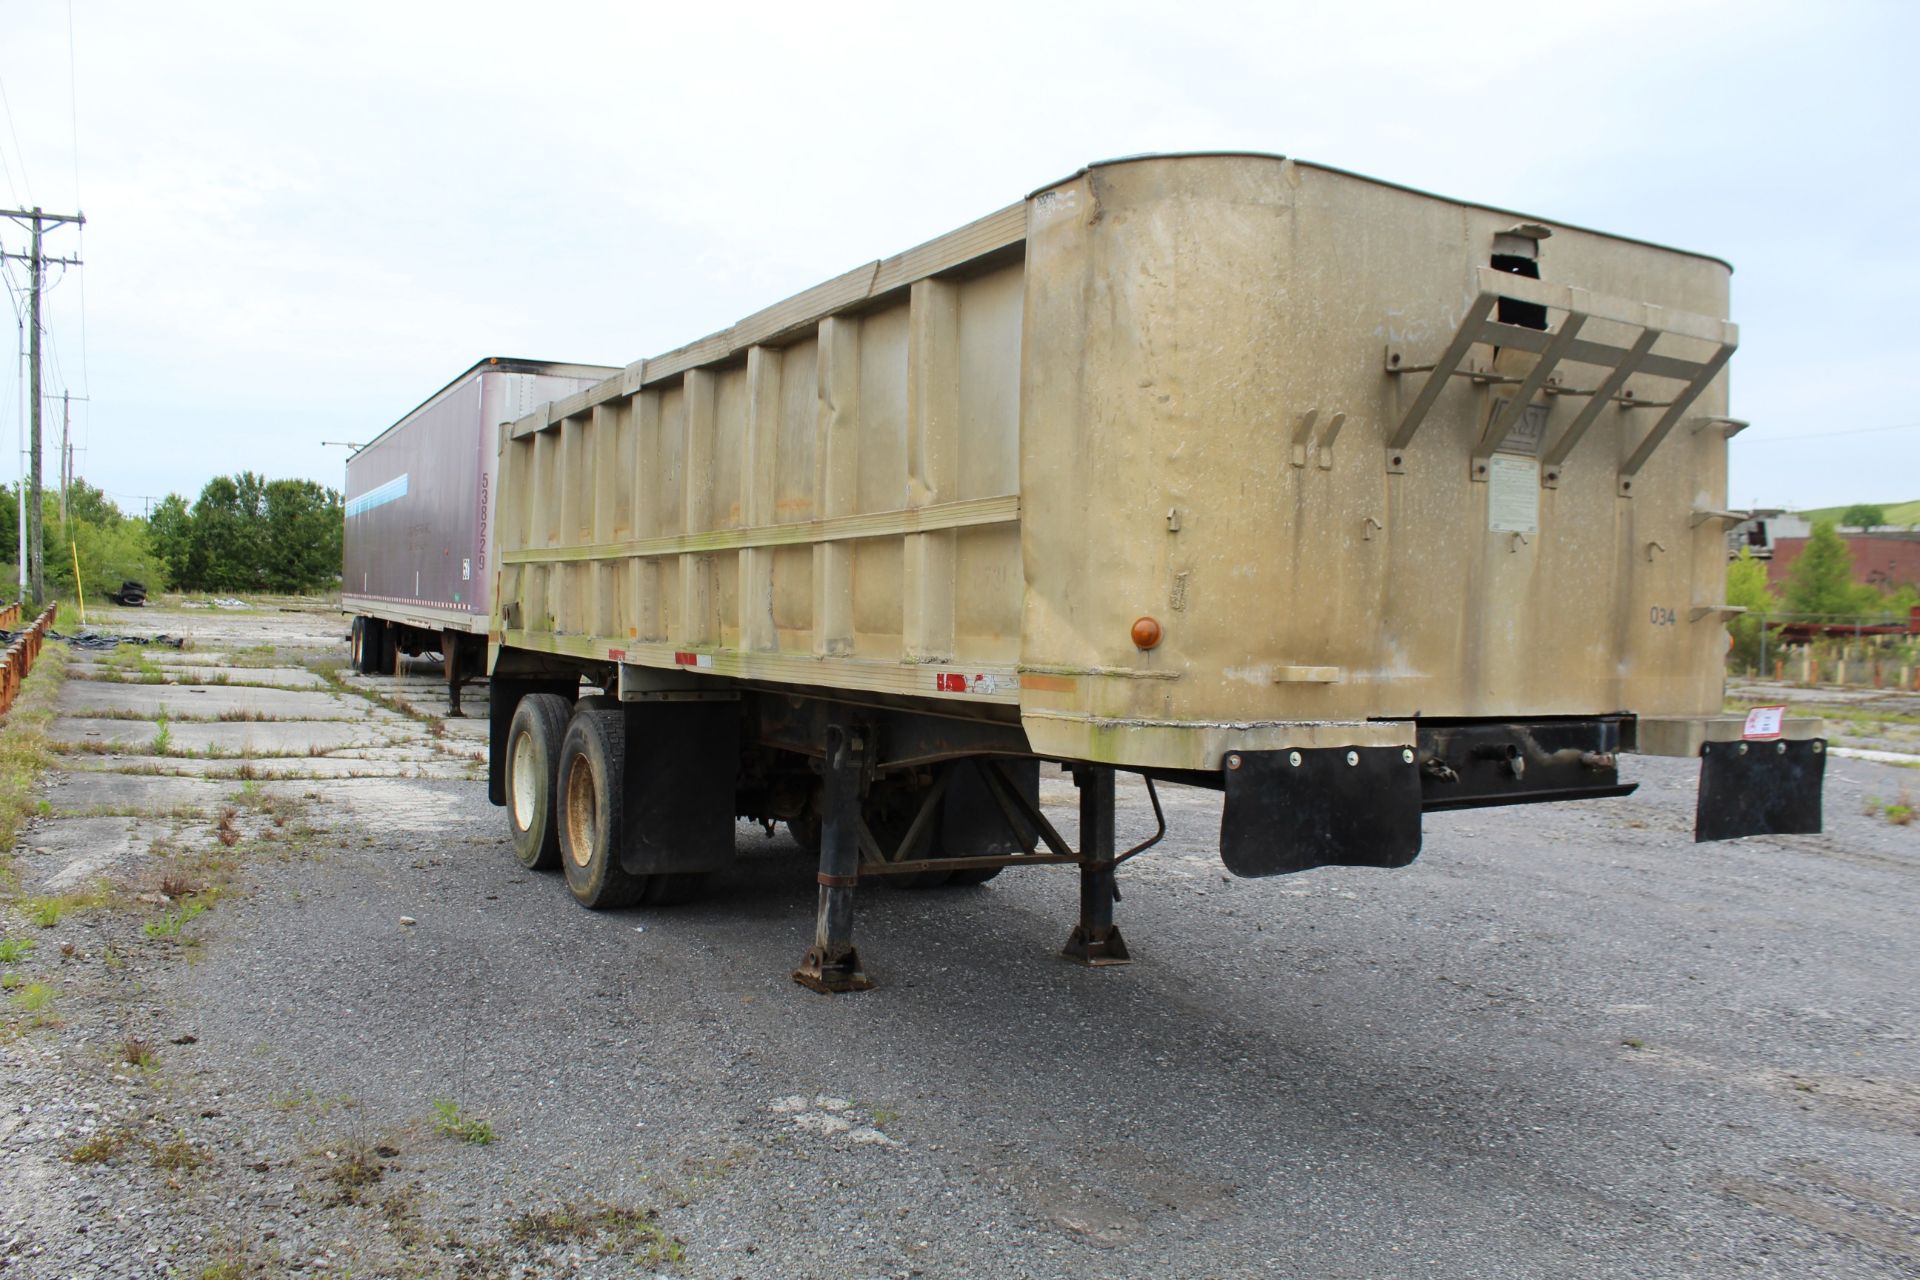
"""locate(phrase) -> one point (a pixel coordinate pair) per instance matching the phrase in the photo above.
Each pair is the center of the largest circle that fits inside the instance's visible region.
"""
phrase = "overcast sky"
(302, 219)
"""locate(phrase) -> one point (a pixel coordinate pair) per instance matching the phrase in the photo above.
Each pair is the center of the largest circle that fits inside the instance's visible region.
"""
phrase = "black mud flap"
(1760, 789)
(1326, 806)
(683, 763)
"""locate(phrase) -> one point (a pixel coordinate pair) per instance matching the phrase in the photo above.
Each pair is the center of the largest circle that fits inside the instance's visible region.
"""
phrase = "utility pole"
(38, 220)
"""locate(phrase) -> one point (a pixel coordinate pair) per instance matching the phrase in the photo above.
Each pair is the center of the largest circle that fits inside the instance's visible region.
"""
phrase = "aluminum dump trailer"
(419, 515)
(1229, 470)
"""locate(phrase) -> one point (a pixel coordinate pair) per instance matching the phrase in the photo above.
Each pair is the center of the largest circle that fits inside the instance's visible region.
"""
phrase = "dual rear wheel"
(565, 774)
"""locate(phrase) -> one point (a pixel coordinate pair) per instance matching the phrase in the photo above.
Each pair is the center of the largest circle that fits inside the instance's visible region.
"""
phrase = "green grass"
(306, 1099)
(14, 950)
(259, 655)
(1898, 812)
(32, 998)
(171, 923)
(1851, 715)
(25, 753)
(130, 663)
(449, 1120)
(49, 910)
(333, 671)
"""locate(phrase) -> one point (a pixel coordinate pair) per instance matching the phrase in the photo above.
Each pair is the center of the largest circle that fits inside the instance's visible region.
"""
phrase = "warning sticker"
(960, 682)
(1513, 494)
(1764, 722)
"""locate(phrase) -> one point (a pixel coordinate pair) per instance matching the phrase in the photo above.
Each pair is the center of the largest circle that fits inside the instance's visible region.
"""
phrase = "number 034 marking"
(1661, 616)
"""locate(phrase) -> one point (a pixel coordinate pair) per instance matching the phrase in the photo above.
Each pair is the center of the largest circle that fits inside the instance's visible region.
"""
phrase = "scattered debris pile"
(101, 641)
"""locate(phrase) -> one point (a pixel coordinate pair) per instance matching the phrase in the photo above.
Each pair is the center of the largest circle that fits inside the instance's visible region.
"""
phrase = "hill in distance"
(1899, 514)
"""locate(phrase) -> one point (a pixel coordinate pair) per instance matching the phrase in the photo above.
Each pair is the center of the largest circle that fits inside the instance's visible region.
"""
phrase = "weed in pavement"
(448, 1119)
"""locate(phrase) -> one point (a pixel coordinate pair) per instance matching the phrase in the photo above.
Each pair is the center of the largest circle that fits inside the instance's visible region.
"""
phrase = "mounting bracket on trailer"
(1564, 345)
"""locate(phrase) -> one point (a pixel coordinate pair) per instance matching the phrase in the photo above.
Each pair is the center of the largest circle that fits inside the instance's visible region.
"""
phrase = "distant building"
(1757, 535)
(1885, 558)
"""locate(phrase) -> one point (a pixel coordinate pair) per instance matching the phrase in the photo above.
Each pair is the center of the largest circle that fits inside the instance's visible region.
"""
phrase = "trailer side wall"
(1161, 389)
(420, 498)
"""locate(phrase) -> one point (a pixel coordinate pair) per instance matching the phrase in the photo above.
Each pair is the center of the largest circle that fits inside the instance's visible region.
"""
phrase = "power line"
(73, 106)
(1828, 435)
(7, 170)
(80, 251)
(15, 294)
(86, 377)
(20, 154)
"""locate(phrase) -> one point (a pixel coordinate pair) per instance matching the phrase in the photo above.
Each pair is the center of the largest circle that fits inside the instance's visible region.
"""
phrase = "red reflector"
(686, 659)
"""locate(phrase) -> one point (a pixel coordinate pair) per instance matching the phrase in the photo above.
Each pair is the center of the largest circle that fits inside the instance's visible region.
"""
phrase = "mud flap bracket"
(1760, 788)
(1290, 811)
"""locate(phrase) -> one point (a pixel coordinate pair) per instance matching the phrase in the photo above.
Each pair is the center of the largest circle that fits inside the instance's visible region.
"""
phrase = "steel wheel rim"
(526, 782)
(582, 811)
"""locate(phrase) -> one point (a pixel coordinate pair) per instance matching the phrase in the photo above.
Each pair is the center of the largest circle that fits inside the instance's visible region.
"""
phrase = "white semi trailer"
(419, 511)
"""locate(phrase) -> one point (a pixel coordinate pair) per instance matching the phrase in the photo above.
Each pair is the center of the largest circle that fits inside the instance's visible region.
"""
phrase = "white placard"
(1513, 494)
(1764, 722)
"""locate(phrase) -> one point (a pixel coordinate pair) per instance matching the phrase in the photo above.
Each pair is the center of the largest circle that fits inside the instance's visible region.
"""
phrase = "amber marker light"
(1146, 633)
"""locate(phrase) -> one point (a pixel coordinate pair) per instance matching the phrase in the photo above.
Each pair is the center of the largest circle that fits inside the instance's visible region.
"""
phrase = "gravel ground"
(1869, 719)
(1565, 1042)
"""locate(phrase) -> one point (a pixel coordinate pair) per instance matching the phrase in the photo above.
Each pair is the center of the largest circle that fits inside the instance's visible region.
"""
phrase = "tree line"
(244, 533)
(1820, 587)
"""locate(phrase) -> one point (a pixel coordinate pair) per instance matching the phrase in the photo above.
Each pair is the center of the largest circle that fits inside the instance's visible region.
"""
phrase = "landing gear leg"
(1096, 940)
(832, 965)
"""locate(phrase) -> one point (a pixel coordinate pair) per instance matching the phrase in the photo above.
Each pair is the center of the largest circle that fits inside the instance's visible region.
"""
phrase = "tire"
(357, 645)
(533, 760)
(382, 646)
(970, 876)
(369, 640)
(590, 811)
